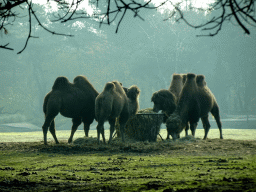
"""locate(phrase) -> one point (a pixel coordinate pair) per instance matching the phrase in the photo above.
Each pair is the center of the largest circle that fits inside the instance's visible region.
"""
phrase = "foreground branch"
(239, 10)
(108, 11)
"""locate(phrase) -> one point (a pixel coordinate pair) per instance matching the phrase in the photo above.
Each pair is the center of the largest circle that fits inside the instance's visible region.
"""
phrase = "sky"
(84, 5)
(204, 4)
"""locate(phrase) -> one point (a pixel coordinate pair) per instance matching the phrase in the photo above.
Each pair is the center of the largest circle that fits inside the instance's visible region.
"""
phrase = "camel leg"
(122, 132)
(168, 135)
(45, 130)
(124, 116)
(186, 129)
(86, 129)
(215, 112)
(112, 128)
(103, 134)
(53, 132)
(87, 122)
(193, 127)
(76, 123)
(206, 125)
(99, 128)
(47, 123)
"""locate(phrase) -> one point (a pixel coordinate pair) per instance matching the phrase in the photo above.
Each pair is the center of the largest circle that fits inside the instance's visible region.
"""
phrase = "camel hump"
(184, 77)
(191, 76)
(109, 87)
(60, 82)
(80, 79)
(176, 76)
(200, 80)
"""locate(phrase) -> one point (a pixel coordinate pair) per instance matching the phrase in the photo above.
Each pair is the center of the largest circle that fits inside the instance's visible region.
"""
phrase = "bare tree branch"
(5, 47)
(240, 12)
(29, 34)
(120, 20)
(11, 4)
(236, 17)
(6, 13)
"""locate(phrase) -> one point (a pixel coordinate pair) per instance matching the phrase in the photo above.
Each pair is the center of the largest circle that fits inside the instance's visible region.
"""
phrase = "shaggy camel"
(113, 103)
(196, 101)
(73, 100)
(166, 100)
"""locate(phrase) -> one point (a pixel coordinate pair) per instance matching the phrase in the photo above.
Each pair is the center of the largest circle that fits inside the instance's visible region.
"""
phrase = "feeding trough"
(144, 126)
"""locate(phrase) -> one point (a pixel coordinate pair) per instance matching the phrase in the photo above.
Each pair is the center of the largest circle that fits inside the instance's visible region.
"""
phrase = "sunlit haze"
(168, 6)
(83, 5)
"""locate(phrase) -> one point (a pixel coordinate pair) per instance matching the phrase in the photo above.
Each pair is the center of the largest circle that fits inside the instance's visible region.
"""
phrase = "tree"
(240, 12)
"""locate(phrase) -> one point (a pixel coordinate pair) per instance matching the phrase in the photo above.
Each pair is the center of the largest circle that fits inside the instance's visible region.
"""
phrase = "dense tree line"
(146, 53)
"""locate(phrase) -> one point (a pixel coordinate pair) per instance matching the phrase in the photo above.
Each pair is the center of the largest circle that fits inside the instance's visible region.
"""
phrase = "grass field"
(188, 164)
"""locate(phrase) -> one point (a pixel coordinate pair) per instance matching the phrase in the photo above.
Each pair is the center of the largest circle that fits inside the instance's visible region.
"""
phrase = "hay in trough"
(144, 126)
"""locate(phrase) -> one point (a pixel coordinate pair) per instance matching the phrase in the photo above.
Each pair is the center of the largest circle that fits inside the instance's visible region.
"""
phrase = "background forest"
(144, 53)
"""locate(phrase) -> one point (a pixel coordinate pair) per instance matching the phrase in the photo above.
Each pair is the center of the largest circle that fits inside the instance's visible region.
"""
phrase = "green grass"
(188, 164)
(47, 168)
(127, 171)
